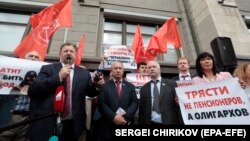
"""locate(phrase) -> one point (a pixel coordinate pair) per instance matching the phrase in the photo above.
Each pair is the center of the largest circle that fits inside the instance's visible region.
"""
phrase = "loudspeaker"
(223, 51)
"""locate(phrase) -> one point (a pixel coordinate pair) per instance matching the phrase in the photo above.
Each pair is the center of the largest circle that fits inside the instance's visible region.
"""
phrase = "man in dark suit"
(117, 102)
(183, 67)
(184, 74)
(42, 94)
(157, 102)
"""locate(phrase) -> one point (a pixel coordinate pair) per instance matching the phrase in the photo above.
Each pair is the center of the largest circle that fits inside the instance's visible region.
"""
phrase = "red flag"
(79, 51)
(34, 41)
(157, 43)
(60, 14)
(138, 46)
(167, 34)
(173, 34)
(152, 49)
(44, 27)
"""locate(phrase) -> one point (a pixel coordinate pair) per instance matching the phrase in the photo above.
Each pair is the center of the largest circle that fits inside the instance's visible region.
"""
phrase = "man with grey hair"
(117, 102)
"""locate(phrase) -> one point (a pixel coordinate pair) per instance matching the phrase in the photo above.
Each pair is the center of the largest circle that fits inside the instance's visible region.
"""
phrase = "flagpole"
(65, 35)
(182, 53)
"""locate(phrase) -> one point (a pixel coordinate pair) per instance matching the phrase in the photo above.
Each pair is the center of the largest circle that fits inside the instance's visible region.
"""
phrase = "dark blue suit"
(42, 93)
(109, 102)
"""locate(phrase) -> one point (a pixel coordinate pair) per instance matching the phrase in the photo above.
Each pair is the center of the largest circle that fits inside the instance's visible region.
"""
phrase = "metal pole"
(4, 128)
(65, 35)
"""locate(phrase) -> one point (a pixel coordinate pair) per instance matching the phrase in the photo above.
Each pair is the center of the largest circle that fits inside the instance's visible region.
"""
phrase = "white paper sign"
(13, 71)
(121, 53)
(219, 102)
(138, 79)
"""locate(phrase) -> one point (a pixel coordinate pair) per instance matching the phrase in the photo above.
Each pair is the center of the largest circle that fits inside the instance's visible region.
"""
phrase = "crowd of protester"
(116, 100)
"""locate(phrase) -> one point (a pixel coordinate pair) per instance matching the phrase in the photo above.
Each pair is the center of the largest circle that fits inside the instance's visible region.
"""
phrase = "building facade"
(114, 21)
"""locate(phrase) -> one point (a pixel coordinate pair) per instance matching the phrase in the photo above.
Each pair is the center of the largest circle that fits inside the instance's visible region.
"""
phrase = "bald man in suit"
(165, 112)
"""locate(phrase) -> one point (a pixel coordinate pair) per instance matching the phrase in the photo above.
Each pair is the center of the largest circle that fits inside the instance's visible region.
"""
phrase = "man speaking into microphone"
(77, 83)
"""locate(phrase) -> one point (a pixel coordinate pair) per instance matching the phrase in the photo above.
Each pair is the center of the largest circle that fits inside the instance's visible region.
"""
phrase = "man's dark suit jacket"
(167, 103)
(109, 102)
(176, 78)
(42, 92)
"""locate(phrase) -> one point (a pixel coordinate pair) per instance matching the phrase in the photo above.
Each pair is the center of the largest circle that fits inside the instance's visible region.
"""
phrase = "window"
(12, 28)
(118, 32)
(146, 31)
(112, 33)
(171, 55)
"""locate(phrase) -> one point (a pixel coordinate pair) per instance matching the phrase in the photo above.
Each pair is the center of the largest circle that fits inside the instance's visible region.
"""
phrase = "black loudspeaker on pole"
(224, 54)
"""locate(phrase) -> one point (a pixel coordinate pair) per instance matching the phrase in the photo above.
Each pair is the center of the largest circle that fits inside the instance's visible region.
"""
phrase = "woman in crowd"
(207, 70)
(243, 73)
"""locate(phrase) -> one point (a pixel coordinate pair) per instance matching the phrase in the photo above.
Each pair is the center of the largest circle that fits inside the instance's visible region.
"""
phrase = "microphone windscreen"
(68, 60)
(53, 138)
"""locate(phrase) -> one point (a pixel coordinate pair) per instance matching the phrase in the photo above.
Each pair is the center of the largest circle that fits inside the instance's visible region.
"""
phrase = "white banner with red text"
(121, 53)
(138, 79)
(13, 71)
(219, 102)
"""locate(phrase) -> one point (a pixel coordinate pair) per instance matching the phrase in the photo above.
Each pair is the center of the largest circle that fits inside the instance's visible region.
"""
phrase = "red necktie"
(67, 98)
(118, 87)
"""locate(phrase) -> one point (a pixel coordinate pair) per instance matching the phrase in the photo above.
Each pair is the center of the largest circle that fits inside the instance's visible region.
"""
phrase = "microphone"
(68, 60)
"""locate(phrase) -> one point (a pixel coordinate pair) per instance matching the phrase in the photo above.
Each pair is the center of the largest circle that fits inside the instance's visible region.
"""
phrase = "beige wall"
(212, 19)
(159, 5)
(244, 6)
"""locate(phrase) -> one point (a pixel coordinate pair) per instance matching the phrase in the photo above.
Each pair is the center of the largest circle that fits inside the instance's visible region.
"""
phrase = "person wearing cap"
(22, 88)
(18, 97)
